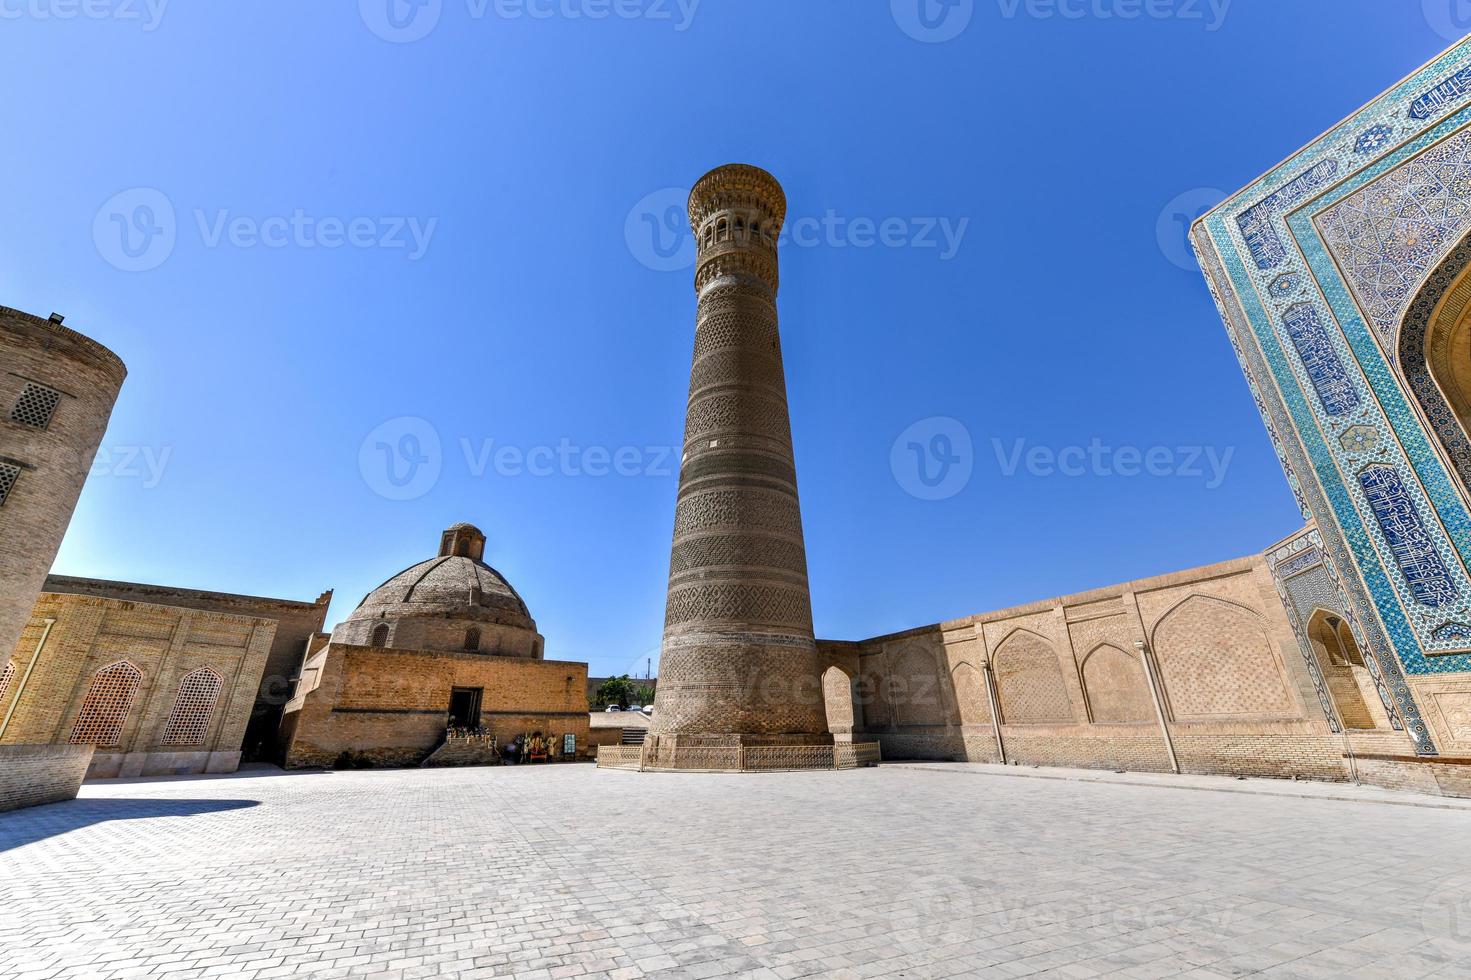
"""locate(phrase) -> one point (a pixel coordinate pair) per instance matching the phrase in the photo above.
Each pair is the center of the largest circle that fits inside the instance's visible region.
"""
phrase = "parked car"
(636, 707)
(613, 707)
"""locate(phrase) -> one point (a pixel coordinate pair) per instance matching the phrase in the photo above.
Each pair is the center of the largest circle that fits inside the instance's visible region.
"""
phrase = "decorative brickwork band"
(739, 667)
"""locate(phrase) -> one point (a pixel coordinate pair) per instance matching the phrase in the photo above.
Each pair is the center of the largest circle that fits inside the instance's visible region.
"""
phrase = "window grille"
(9, 473)
(35, 406)
(380, 636)
(105, 711)
(193, 707)
(6, 676)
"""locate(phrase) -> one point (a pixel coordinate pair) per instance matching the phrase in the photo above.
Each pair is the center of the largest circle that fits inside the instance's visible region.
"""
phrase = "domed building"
(431, 666)
(453, 601)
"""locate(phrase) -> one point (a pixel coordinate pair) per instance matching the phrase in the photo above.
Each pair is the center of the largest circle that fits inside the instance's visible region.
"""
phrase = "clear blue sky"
(539, 314)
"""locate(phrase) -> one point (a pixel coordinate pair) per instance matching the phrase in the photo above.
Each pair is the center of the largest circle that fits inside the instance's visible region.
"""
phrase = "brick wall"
(69, 638)
(1073, 687)
(31, 775)
(296, 623)
(54, 459)
(389, 707)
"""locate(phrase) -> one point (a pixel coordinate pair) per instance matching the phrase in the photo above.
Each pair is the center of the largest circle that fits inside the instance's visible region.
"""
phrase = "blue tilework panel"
(1315, 267)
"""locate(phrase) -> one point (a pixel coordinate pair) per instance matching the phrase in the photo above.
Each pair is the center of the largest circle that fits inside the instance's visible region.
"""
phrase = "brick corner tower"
(739, 665)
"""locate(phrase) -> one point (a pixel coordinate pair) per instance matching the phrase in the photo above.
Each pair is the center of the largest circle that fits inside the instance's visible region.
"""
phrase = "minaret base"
(738, 753)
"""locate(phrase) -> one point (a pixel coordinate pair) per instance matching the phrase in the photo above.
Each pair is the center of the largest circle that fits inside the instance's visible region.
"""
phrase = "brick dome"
(453, 601)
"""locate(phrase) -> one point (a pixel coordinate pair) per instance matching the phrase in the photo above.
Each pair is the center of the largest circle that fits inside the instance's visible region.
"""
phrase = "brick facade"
(296, 623)
(1071, 684)
(388, 707)
(134, 712)
(45, 452)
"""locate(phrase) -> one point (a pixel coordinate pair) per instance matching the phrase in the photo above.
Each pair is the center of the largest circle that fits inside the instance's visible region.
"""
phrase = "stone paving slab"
(569, 871)
(1302, 788)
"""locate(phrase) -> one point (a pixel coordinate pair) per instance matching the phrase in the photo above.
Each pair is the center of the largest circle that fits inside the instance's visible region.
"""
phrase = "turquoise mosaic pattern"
(1320, 261)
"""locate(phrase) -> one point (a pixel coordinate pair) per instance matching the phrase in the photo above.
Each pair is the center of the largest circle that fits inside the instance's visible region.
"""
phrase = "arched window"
(194, 705)
(380, 635)
(709, 235)
(722, 230)
(740, 229)
(472, 639)
(105, 710)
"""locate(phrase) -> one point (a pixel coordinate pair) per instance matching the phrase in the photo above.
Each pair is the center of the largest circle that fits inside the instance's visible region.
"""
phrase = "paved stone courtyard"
(571, 871)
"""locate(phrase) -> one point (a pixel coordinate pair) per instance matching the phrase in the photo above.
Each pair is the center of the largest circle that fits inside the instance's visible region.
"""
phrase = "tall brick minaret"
(739, 666)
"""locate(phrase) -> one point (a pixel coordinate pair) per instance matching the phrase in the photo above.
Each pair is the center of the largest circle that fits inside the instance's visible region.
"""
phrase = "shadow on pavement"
(21, 827)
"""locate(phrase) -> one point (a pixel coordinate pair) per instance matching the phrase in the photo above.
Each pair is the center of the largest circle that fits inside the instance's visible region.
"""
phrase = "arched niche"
(1434, 356)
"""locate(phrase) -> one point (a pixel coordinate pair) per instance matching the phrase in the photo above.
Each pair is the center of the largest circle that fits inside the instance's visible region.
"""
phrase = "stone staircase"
(473, 751)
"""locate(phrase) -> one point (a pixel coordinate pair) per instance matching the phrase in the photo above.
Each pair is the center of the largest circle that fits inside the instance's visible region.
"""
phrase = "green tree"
(614, 690)
(643, 694)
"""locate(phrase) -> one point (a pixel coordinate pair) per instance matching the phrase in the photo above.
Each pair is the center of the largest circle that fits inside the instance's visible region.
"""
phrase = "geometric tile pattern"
(1389, 235)
(1313, 267)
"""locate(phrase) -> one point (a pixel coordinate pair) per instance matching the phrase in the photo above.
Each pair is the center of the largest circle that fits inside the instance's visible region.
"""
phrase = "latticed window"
(35, 405)
(472, 639)
(193, 707)
(6, 676)
(105, 711)
(9, 473)
(380, 635)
